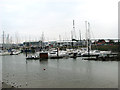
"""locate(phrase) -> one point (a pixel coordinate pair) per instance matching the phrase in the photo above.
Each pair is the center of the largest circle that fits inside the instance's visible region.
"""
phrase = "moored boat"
(32, 57)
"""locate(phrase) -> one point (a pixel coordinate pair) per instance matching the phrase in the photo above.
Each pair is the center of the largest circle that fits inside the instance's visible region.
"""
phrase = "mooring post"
(57, 51)
(26, 52)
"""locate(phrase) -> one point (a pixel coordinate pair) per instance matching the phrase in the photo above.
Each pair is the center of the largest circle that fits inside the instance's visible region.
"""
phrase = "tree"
(111, 41)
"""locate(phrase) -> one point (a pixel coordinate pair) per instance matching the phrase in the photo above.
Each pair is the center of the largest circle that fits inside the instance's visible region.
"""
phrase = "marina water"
(59, 73)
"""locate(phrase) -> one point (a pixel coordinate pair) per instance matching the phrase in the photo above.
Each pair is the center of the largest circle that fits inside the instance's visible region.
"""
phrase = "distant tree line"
(103, 42)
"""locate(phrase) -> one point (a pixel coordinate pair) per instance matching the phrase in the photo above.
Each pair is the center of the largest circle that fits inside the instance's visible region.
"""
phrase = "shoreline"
(4, 85)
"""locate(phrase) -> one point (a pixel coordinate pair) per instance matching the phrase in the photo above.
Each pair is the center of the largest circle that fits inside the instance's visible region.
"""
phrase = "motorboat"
(4, 52)
(56, 55)
(33, 57)
(15, 52)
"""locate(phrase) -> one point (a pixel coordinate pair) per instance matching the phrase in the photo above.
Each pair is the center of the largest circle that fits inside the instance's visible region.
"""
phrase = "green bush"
(113, 48)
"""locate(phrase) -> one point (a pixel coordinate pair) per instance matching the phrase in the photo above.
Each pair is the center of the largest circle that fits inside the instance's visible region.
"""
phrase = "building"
(33, 44)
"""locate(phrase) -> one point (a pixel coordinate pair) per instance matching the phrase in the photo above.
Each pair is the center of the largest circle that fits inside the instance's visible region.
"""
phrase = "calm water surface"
(59, 73)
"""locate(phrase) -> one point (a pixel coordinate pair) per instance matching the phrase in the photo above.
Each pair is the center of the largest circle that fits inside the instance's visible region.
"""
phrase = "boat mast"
(89, 42)
(86, 33)
(80, 34)
(60, 38)
(80, 38)
(7, 41)
(73, 33)
(72, 38)
(74, 29)
(3, 40)
(42, 38)
(88, 36)
(88, 39)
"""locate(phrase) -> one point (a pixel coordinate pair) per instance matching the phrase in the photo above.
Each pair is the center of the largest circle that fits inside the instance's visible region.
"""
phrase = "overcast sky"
(27, 19)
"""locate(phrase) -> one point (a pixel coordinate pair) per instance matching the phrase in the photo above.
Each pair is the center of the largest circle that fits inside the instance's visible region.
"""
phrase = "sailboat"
(4, 51)
(89, 54)
(73, 37)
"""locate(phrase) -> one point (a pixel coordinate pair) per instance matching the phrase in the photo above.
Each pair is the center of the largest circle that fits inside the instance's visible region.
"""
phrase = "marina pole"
(26, 52)
(80, 34)
(57, 52)
(86, 34)
(72, 38)
(3, 40)
(88, 39)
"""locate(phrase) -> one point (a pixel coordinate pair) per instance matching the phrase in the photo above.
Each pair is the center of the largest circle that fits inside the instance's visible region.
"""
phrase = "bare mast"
(89, 42)
(73, 33)
(3, 40)
(80, 34)
(74, 29)
(87, 24)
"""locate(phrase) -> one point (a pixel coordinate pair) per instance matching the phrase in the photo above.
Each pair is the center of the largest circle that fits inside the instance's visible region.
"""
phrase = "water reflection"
(45, 61)
(0, 72)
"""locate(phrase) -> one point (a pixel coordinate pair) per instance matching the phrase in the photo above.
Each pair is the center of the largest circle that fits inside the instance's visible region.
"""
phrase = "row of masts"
(73, 32)
(73, 35)
(7, 39)
(15, 39)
